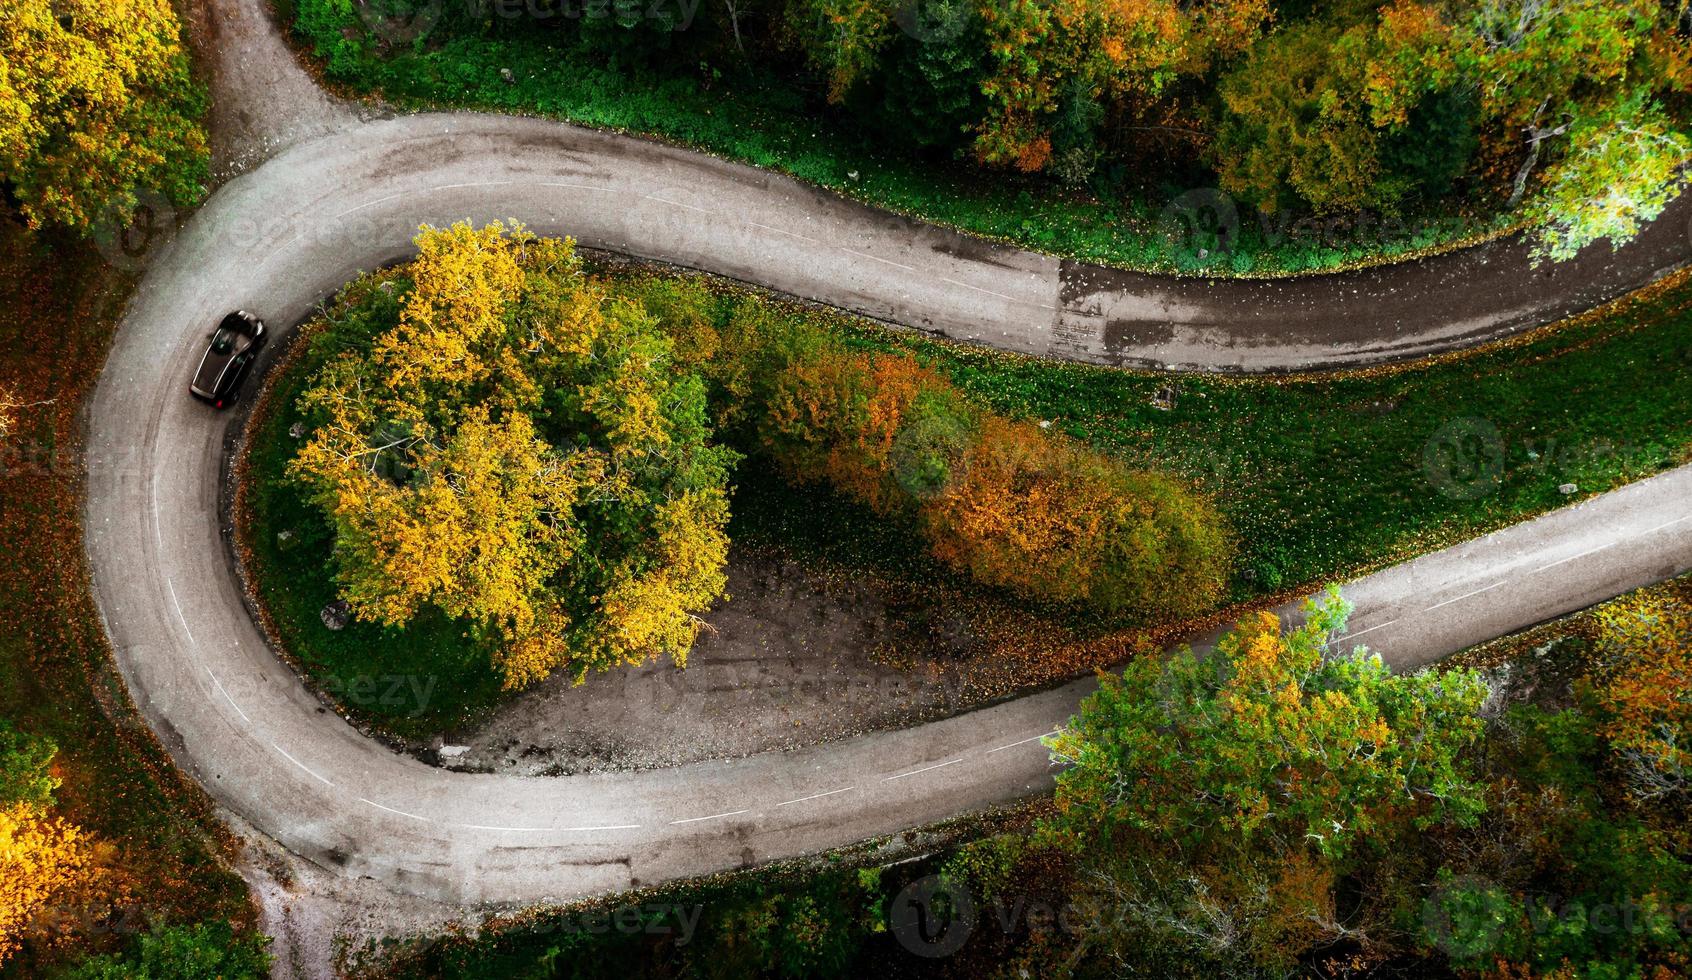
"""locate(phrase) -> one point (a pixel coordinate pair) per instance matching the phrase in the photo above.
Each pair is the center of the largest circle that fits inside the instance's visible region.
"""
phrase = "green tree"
(208, 951)
(931, 87)
(1574, 83)
(843, 39)
(25, 776)
(1338, 117)
(97, 103)
(1046, 53)
(1622, 168)
(1214, 802)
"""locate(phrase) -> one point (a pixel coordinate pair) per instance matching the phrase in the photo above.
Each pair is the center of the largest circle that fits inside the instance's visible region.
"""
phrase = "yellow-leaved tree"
(41, 859)
(54, 877)
(97, 103)
(518, 451)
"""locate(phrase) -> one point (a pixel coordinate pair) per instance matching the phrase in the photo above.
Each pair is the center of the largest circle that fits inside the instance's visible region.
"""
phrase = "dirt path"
(263, 99)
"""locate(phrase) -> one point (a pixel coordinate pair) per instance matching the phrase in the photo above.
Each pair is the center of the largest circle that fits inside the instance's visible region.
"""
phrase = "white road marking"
(979, 289)
(784, 231)
(392, 810)
(226, 697)
(1589, 551)
(473, 183)
(503, 830)
(1672, 523)
(302, 765)
(674, 204)
(818, 796)
(1466, 595)
(371, 204)
(913, 772)
(1022, 742)
(574, 187)
(877, 258)
(171, 586)
(614, 826)
(714, 816)
(153, 505)
(1371, 629)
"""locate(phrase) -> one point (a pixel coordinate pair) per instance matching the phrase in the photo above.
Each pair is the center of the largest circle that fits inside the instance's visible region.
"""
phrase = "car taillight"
(219, 403)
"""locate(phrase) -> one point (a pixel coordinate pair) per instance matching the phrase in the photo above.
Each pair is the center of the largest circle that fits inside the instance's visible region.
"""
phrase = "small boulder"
(510, 79)
(450, 752)
(296, 430)
(1567, 489)
(336, 614)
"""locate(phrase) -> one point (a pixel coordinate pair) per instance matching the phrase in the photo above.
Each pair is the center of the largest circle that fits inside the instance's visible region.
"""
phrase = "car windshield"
(222, 341)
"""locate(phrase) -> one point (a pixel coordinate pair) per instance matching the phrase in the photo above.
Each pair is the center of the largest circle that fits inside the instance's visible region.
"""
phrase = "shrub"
(208, 951)
(1004, 501)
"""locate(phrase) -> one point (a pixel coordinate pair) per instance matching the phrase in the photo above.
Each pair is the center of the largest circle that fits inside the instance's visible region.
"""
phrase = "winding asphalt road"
(283, 236)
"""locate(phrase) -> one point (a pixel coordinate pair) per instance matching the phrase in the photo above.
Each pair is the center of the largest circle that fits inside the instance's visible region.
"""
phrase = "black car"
(235, 344)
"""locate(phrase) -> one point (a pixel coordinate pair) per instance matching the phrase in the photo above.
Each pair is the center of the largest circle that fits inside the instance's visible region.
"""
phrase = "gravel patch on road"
(792, 658)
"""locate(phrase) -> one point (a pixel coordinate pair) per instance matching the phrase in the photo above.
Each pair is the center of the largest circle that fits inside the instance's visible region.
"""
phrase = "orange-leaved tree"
(1644, 686)
(1007, 502)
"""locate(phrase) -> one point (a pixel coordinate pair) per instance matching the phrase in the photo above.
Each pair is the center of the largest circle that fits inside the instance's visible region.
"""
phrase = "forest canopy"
(1566, 115)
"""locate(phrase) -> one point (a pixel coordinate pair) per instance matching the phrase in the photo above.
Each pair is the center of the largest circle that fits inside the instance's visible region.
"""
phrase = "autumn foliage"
(507, 445)
(1644, 688)
(1004, 501)
(47, 863)
(97, 104)
(1216, 803)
